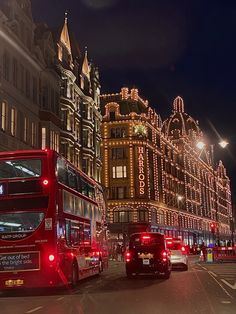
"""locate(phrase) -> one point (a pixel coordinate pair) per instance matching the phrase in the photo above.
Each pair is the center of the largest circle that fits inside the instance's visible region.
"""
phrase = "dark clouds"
(99, 4)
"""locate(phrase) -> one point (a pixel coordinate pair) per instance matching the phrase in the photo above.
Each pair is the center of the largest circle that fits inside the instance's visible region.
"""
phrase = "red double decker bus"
(52, 221)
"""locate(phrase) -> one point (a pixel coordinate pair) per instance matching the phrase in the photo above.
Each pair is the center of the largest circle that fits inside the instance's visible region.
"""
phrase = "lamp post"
(223, 143)
(179, 199)
(232, 229)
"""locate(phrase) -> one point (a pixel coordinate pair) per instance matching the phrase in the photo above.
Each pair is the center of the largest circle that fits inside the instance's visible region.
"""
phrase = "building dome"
(180, 124)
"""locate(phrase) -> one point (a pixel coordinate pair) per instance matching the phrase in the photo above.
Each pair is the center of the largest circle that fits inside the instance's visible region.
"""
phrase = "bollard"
(209, 255)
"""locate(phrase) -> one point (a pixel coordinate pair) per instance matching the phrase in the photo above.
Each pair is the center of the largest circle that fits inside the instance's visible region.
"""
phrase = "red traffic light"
(213, 227)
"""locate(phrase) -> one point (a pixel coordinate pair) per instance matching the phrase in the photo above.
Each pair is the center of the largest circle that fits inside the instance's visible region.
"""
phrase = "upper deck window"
(20, 168)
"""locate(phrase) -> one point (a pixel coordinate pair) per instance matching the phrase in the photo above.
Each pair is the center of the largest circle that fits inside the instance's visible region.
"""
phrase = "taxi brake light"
(146, 237)
(164, 256)
(127, 256)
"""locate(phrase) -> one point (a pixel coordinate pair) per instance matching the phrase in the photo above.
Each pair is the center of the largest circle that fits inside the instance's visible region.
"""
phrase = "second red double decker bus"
(52, 219)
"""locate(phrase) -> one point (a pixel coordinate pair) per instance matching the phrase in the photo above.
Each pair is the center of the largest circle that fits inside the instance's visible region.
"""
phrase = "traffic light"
(213, 227)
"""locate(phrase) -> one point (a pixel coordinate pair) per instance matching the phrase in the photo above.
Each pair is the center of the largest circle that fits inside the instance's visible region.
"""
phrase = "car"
(178, 253)
(147, 253)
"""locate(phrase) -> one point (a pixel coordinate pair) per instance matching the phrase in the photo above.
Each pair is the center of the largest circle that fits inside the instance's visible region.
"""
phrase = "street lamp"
(232, 229)
(200, 145)
(223, 143)
(180, 197)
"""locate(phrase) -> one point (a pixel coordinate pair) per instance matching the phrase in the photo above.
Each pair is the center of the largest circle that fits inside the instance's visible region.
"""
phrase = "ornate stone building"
(28, 82)
(49, 92)
(156, 178)
(79, 104)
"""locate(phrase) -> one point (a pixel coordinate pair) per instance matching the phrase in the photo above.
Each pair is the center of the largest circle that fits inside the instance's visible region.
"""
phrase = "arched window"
(154, 216)
(142, 214)
(161, 217)
(112, 116)
(123, 215)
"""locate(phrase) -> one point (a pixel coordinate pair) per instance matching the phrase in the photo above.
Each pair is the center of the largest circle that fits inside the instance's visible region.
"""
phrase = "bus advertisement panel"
(52, 221)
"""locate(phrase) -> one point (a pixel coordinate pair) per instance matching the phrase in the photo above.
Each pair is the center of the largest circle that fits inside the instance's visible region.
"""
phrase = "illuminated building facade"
(155, 176)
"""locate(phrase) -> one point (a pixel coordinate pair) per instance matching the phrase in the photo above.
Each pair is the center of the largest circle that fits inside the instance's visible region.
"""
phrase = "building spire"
(85, 66)
(65, 38)
(178, 104)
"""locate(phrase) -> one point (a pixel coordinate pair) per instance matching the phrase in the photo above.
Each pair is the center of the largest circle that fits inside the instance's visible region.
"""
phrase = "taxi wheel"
(166, 275)
(186, 267)
(129, 274)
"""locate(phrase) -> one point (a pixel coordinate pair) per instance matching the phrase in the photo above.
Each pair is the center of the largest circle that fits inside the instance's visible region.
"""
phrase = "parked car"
(147, 253)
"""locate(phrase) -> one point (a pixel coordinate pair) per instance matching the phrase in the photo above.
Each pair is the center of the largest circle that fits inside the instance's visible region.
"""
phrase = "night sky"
(165, 48)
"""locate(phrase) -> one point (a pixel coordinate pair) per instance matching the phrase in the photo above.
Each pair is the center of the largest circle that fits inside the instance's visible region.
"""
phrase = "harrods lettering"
(141, 175)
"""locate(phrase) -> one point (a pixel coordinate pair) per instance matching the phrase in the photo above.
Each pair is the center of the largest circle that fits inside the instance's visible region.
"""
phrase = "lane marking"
(213, 274)
(202, 266)
(61, 298)
(225, 302)
(225, 291)
(35, 309)
(205, 292)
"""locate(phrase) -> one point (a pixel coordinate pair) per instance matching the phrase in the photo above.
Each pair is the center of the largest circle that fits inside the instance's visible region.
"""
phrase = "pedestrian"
(118, 252)
(204, 251)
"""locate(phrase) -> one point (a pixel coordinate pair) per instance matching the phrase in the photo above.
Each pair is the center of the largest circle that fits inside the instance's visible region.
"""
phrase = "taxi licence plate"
(146, 261)
(14, 282)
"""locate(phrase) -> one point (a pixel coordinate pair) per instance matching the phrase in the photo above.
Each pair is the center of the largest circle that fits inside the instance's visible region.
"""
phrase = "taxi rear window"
(175, 246)
(143, 241)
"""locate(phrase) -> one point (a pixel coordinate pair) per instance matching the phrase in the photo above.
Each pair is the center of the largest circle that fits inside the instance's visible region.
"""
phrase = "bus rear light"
(127, 256)
(45, 182)
(51, 258)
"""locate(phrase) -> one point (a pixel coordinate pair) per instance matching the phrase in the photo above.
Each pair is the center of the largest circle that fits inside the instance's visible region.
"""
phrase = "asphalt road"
(203, 289)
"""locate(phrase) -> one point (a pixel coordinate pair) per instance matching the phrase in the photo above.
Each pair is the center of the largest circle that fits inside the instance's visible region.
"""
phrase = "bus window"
(78, 233)
(84, 186)
(20, 168)
(91, 191)
(87, 233)
(16, 223)
(79, 184)
(62, 171)
(72, 179)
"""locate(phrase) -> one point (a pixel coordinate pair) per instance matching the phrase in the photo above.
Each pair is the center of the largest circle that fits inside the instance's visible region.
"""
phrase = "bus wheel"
(74, 275)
